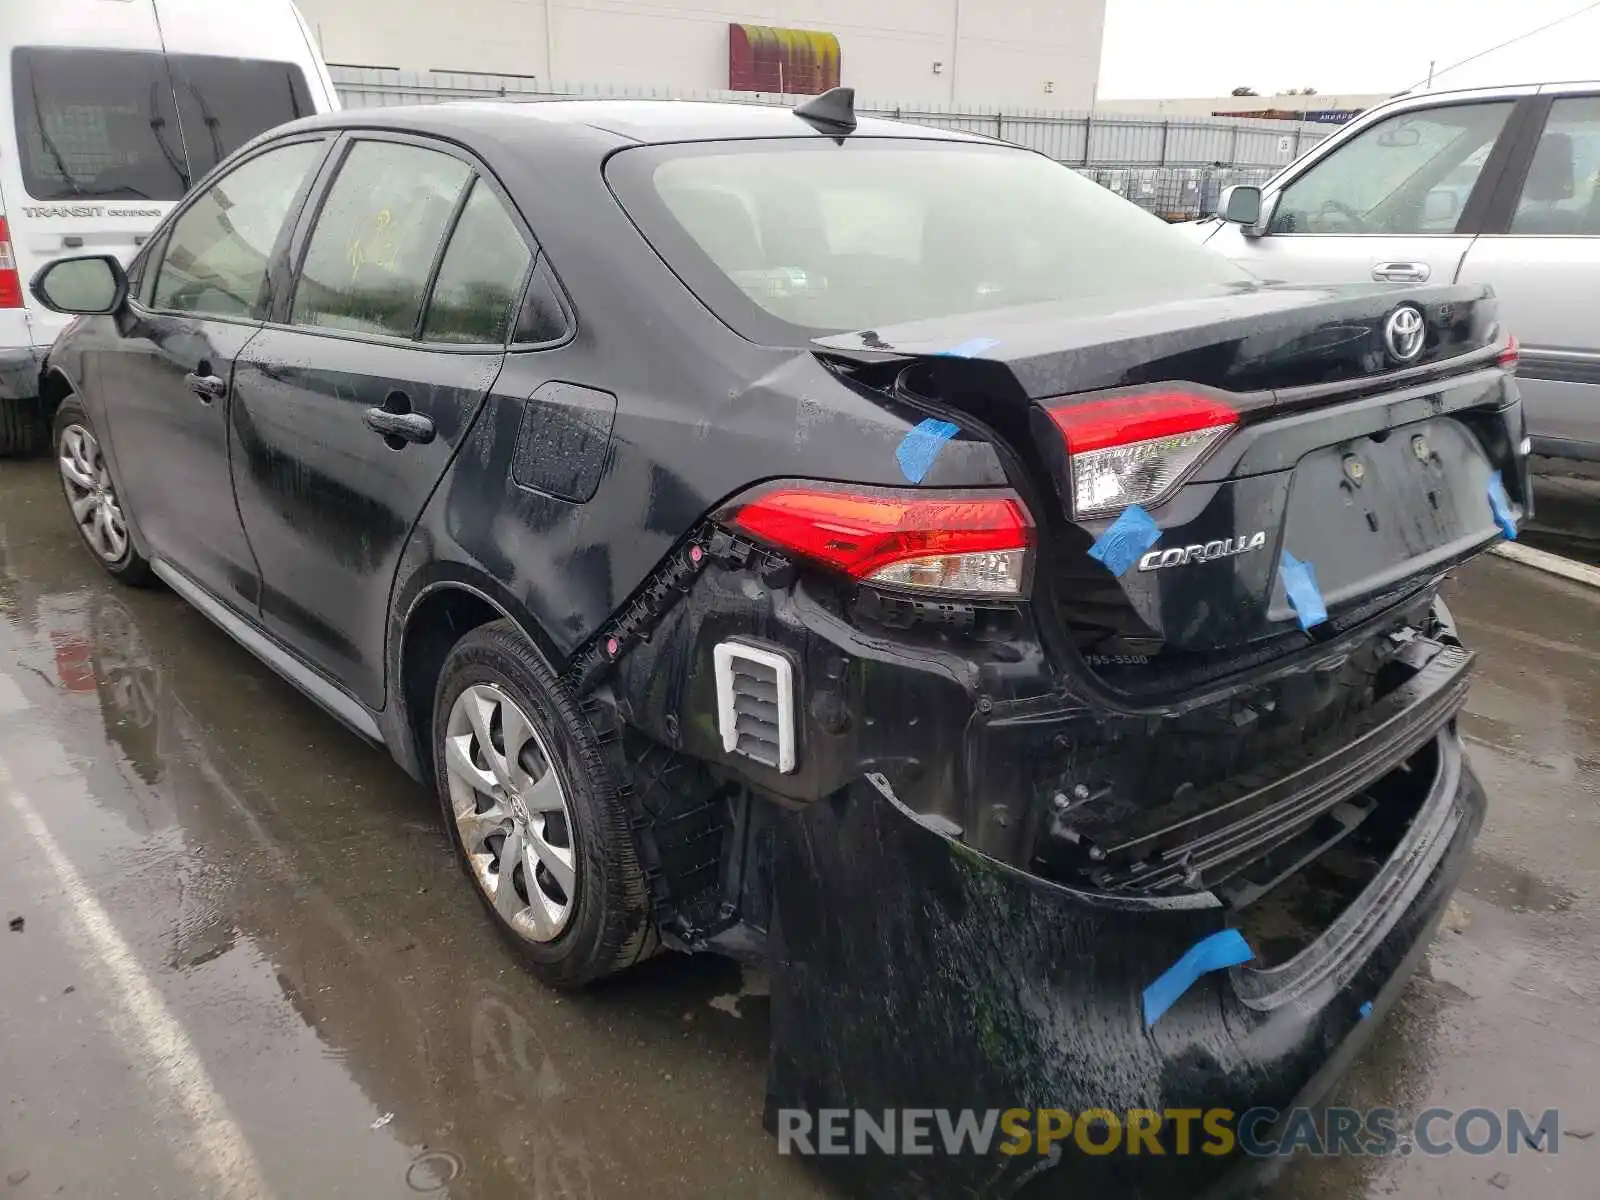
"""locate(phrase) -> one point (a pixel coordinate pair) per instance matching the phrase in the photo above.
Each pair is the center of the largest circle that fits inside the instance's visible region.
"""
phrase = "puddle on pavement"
(291, 892)
(1512, 889)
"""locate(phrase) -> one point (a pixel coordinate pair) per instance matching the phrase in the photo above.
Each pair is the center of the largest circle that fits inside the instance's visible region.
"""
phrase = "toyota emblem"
(1403, 333)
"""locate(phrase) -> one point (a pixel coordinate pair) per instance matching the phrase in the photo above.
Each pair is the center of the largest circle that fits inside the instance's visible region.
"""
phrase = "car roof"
(648, 122)
(1490, 92)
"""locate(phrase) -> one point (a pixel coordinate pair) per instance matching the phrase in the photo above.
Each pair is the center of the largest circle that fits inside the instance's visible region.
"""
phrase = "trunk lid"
(1353, 474)
(1240, 338)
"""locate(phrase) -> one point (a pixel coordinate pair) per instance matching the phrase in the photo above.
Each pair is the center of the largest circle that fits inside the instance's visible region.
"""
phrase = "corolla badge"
(1403, 333)
(1182, 556)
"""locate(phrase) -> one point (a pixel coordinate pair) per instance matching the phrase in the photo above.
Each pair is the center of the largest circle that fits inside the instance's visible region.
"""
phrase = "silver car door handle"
(408, 427)
(1401, 272)
(207, 387)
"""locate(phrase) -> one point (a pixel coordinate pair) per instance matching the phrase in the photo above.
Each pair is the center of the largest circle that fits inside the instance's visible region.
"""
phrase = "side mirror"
(1240, 205)
(92, 286)
(1440, 205)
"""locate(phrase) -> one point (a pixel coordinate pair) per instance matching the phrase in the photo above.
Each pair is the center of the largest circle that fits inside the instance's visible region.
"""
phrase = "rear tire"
(522, 783)
(23, 430)
(92, 496)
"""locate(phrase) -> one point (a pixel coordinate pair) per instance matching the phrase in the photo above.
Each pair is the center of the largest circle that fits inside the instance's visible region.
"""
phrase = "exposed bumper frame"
(911, 971)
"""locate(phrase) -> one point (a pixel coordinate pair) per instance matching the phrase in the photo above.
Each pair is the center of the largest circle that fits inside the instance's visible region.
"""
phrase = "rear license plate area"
(1371, 512)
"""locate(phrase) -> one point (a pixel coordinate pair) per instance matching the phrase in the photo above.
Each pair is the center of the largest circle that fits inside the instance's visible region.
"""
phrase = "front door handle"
(207, 387)
(1401, 272)
(406, 427)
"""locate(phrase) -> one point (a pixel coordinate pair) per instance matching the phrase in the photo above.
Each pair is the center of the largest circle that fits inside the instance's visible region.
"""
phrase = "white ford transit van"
(110, 110)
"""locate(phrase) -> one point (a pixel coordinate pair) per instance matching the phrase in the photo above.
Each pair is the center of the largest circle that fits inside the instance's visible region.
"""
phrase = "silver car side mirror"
(1240, 205)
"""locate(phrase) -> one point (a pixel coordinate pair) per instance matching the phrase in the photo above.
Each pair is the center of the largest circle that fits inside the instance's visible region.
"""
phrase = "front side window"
(96, 125)
(369, 257)
(480, 279)
(792, 238)
(1410, 174)
(1561, 195)
(220, 250)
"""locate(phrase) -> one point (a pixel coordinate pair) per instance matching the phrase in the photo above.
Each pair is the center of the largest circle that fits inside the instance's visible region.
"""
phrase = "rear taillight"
(1135, 449)
(10, 281)
(1508, 357)
(972, 543)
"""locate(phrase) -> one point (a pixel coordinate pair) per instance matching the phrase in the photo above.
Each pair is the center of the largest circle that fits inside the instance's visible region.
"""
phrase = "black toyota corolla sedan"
(872, 551)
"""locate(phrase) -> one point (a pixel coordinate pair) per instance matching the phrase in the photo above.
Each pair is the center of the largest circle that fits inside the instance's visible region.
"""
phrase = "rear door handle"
(1401, 272)
(207, 387)
(408, 427)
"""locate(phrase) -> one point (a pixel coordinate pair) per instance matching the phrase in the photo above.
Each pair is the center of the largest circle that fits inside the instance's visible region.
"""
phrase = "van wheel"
(534, 815)
(23, 432)
(92, 496)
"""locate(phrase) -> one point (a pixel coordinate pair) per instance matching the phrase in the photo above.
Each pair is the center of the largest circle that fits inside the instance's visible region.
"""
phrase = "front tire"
(534, 816)
(92, 496)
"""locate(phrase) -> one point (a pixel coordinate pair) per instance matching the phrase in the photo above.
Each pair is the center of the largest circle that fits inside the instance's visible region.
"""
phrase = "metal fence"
(1175, 193)
(1173, 166)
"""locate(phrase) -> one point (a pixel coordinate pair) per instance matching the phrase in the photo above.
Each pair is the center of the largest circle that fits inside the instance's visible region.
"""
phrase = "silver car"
(1495, 184)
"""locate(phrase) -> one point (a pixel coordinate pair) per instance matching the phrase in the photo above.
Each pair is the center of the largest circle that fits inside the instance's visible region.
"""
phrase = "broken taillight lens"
(1135, 449)
(972, 543)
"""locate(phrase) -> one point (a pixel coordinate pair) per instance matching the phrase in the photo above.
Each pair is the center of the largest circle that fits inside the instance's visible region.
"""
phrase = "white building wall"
(1038, 53)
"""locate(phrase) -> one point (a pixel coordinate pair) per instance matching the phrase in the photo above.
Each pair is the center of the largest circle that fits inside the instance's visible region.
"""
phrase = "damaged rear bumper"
(912, 972)
(973, 871)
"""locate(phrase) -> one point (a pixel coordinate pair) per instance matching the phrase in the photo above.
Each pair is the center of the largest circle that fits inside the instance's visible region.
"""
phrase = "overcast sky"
(1209, 47)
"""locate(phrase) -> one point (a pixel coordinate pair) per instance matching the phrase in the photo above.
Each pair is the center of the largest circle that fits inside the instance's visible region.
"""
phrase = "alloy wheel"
(91, 494)
(511, 812)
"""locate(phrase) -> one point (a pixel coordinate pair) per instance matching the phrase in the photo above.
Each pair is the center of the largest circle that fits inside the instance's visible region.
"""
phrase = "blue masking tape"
(1300, 585)
(1501, 504)
(1366, 1010)
(921, 446)
(1215, 953)
(970, 348)
(1129, 536)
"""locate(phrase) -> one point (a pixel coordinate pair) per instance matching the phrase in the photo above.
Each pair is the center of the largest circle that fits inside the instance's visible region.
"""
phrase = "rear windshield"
(793, 238)
(103, 124)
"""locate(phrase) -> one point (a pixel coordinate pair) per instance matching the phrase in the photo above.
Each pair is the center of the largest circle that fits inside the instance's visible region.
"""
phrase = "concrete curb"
(1552, 564)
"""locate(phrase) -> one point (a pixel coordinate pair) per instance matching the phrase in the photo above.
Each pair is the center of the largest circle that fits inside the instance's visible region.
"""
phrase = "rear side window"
(541, 318)
(368, 260)
(1561, 194)
(219, 251)
(224, 102)
(96, 124)
(791, 238)
(480, 280)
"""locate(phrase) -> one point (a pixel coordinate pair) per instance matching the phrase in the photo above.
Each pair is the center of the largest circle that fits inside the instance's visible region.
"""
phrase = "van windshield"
(103, 124)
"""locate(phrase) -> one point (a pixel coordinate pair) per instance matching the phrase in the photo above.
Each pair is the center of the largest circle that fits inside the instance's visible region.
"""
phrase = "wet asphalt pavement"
(248, 959)
(1566, 517)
